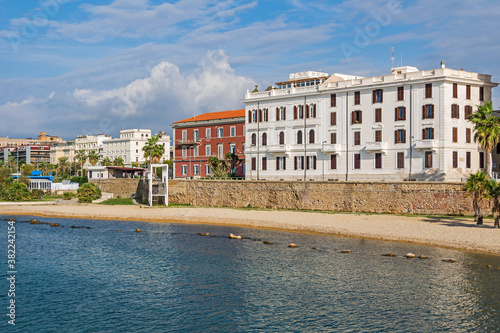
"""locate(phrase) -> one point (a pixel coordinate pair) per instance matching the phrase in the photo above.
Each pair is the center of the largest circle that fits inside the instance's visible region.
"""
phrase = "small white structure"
(161, 184)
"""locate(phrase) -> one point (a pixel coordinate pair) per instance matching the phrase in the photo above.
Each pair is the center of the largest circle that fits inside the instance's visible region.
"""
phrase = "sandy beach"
(456, 233)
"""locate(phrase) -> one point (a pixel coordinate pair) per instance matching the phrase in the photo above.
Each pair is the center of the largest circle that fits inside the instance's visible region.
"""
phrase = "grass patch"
(117, 201)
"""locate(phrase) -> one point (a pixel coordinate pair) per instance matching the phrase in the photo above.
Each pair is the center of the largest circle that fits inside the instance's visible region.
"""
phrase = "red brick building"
(210, 134)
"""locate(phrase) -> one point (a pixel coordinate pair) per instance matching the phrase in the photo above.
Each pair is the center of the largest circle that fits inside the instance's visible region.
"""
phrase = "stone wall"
(369, 197)
(122, 187)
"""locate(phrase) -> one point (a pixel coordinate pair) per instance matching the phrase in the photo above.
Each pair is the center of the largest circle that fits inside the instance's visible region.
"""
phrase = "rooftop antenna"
(392, 57)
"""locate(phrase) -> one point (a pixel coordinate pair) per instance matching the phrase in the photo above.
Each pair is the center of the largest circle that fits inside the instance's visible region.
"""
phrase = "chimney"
(442, 64)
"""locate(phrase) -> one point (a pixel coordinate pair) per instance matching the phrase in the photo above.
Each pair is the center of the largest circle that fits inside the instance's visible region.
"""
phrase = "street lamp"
(323, 160)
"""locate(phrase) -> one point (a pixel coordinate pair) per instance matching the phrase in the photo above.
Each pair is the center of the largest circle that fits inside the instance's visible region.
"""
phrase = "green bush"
(14, 191)
(68, 195)
(88, 192)
(37, 193)
(80, 180)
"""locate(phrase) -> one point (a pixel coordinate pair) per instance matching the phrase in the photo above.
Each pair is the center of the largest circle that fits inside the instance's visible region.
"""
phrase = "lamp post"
(190, 170)
(323, 160)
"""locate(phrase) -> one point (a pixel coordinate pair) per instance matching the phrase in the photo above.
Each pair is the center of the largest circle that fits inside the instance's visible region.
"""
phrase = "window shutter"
(333, 161)
(277, 163)
(260, 116)
(404, 136)
(295, 162)
(249, 116)
(404, 113)
(396, 136)
(353, 117)
(423, 134)
(295, 116)
(360, 117)
(395, 114)
(424, 113)
(308, 160)
(452, 110)
(455, 134)
(432, 133)
(284, 162)
(284, 113)
(333, 100)
(308, 111)
(333, 118)
(277, 114)
(374, 97)
(381, 95)
(432, 111)
(314, 164)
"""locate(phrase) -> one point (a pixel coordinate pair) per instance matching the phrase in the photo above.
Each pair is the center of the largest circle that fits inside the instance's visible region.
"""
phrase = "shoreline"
(452, 233)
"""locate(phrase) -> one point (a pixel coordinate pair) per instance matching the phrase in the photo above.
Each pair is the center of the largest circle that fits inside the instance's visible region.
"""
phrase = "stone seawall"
(122, 187)
(367, 197)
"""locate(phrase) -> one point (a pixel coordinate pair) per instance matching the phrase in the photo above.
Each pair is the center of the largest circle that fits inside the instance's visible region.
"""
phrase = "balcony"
(332, 148)
(188, 142)
(278, 149)
(376, 146)
(426, 144)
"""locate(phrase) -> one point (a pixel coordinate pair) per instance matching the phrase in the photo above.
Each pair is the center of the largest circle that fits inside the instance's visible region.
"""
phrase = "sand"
(455, 233)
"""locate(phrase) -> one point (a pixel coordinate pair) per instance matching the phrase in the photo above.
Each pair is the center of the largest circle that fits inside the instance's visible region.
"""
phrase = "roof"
(215, 116)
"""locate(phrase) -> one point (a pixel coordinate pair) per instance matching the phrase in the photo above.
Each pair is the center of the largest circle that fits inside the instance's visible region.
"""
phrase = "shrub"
(37, 193)
(68, 195)
(80, 180)
(88, 192)
(15, 192)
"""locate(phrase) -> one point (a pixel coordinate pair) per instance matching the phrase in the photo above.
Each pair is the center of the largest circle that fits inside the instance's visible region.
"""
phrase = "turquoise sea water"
(168, 279)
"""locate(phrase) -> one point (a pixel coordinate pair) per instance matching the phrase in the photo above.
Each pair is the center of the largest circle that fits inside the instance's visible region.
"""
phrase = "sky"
(76, 67)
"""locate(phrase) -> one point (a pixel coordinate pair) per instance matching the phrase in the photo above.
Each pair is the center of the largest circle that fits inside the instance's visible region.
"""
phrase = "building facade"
(28, 154)
(90, 143)
(59, 151)
(43, 139)
(129, 146)
(409, 124)
(198, 138)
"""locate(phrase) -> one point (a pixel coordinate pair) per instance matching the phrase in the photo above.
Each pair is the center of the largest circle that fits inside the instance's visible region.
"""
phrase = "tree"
(106, 162)
(494, 193)
(476, 186)
(43, 167)
(63, 163)
(118, 162)
(153, 151)
(219, 167)
(12, 164)
(93, 157)
(486, 130)
(81, 157)
(88, 192)
(232, 161)
(26, 169)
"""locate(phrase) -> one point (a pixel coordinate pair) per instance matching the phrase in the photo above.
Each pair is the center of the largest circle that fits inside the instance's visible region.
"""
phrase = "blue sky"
(71, 67)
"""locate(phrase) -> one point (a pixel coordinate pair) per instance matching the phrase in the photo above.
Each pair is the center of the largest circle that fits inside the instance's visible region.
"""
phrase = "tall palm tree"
(11, 163)
(153, 151)
(93, 157)
(477, 185)
(486, 130)
(81, 156)
(118, 162)
(63, 163)
(43, 167)
(106, 161)
(494, 193)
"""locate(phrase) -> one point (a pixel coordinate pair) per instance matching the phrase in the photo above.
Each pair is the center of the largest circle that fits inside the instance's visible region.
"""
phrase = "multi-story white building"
(409, 124)
(59, 151)
(129, 146)
(90, 143)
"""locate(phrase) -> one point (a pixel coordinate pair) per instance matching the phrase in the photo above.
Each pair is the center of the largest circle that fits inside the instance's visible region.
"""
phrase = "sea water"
(169, 279)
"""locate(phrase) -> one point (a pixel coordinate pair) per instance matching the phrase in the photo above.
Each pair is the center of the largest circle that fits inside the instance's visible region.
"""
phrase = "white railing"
(426, 144)
(376, 146)
(64, 187)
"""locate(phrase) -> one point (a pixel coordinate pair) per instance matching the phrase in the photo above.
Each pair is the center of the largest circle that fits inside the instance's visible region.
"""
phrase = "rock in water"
(292, 245)
(268, 243)
(346, 251)
(389, 255)
(231, 236)
(138, 230)
(410, 255)
(423, 257)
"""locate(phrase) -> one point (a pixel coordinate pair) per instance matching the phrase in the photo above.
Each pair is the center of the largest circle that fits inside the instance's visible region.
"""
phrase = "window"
(333, 100)
(311, 136)
(455, 113)
(299, 137)
(265, 114)
(137, 151)
(298, 112)
(311, 162)
(250, 116)
(378, 96)
(264, 139)
(254, 139)
(378, 136)
(400, 163)
(357, 117)
(207, 150)
(220, 132)
(333, 138)
(220, 151)
(184, 170)
(208, 170)
(333, 118)
(357, 138)
(301, 112)
(333, 162)
(455, 90)
(455, 159)
(357, 161)
(298, 162)
(400, 113)
(428, 90)
(467, 92)
(196, 135)
(254, 116)
(280, 163)
(468, 111)
(481, 160)
(264, 163)
(136, 143)
(357, 98)
(232, 148)
(283, 113)
(481, 94)
(195, 151)
(260, 116)
(468, 159)
(428, 159)
(311, 111)
(428, 111)
(400, 136)
(196, 170)
(467, 135)
(232, 131)
(401, 93)
(254, 163)
(378, 115)
(207, 133)
(282, 138)
(184, 151)
(455, 134)
(184, 136)
(428, 133)
(378, 160)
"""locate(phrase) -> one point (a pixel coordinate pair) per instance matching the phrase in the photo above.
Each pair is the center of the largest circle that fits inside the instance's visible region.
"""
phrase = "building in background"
(409, 124)
(28, 154)
(198, 138)
(63, 150)
(43, 139)
(90, 143)
(129, 146)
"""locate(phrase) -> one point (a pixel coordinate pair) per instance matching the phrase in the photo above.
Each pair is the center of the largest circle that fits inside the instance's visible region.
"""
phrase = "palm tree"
(26, 169)
(153, 151)
(63, 163)
(118, 162)
(106, 161)
(11, 163)
(43, 167)
(487, 130)
(476, 186)
(81, 156)
(93, 157)
(494, 193)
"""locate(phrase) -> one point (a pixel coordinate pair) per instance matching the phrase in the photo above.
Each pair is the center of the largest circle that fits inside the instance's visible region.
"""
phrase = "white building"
(409, 124)
(59, 151)
(129, 146)
(90, 143)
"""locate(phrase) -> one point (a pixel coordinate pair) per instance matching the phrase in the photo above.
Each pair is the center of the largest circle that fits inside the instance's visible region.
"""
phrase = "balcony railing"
(187, 142)
(332, 148)
(426, 144)
(376, 146)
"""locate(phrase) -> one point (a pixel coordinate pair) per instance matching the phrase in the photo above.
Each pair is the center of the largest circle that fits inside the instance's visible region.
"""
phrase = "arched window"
(282, 138)
(254, 139)
(311, 136)
(299, 137)
(264, 139)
